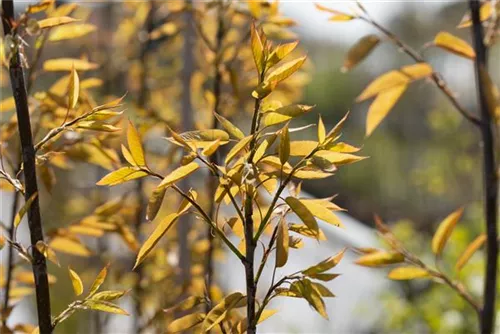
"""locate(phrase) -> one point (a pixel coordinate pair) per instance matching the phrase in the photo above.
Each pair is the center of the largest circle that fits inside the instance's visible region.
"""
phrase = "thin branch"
(417, 57)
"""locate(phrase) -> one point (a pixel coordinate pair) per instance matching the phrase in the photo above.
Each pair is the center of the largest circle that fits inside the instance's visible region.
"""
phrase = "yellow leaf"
(241, 145)
(20, 292)
(282, 240)
(69, 246)
(455, 45)
(155, 202)
(86, 230)
(408, 273)
(307, 232)
(444, 231)
(219, 311)
(55, 21)
(108, 295)
(71, 31)
(232, 129)
(284, 148)
(91, 83)
(485, 12)
(47, 252)
(325, 265)
(128, 156)
(382, 105)
(469, 251)
(98, 280)
(305, 289)
(199, 139)
(104, 306)
(339, 159)
(7, 104)
(284, 71)
(66, 64)
(27, 277)
(96, 126)
(337, 15)
(76, 282)
(24, 209)
(359, 51)
(186, 304)
(491, 93)
(153, 239)
(135, 145)
(302, 148)
(121, 175)
(380, 258)
(179, 174)
(257, 49)
(321, 130)
(73, 89)
(303, 213)
(40, 6)
(280, 52)
(394, 79)
(284, 114)
(322, 213)
(211, 149)
(186, 322)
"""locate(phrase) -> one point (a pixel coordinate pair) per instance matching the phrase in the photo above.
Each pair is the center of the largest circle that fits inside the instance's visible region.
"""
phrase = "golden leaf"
(322, 212)
(236, 149)
(408, 273)
(135, 145)
(66, 64)
(99, 305)
(284, 114)
(108, 295)
(284, 71)
(325, 265)
(155, 202)
(98, 280)
(455, 45)
(359, 51)
(444, 231)
(380, 258)
(153, 239)
(219, 311)
(69, 246)
(19, 216)
(232, 129)
(121, 175)
(55, 21)
(284, 148)
(76, 281)
(469, 251)
(321, 130)
(7, 104)
(73, 89)
(179, 174)
(257, 49)
(303, 213)
(337, 15)
(382, 105)
(71, 31)
(186, 322)
(282, 240)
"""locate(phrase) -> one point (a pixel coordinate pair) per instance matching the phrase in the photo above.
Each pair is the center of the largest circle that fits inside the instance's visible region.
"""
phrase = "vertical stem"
(214, 158)
(489, 173)
(141, 103)
(31, 186)
(187, 124)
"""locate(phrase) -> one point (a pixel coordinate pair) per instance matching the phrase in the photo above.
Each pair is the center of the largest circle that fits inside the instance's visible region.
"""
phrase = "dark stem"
(31, 186)
(214, 158)
(489, 173)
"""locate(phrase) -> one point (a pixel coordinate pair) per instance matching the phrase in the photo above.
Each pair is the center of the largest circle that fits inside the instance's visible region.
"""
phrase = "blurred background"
(424, 160)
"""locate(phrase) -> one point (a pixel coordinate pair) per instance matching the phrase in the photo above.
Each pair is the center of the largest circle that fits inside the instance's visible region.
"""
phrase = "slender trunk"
(187, 124)
(489, 173)
(31, 187)
(141, 103)
(214, 159)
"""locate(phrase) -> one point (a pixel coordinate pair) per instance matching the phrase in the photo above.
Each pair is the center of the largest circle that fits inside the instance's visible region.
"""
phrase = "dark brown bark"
(487, 320)
(31, 186)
